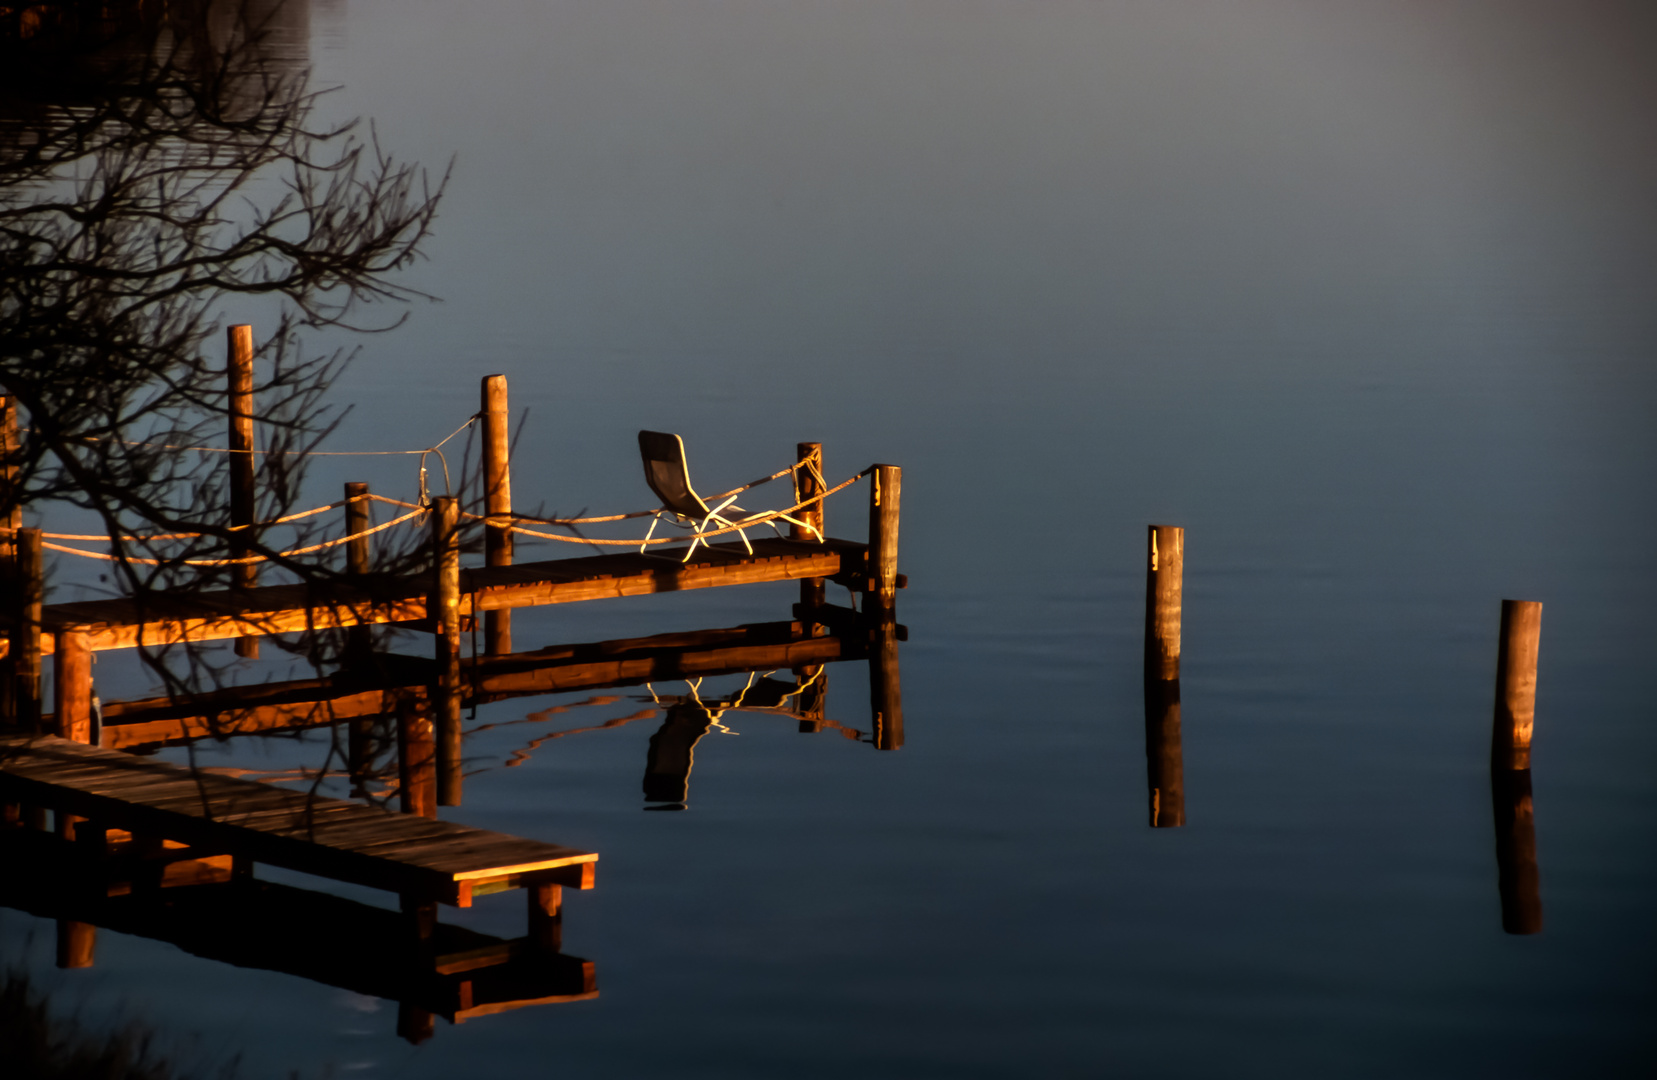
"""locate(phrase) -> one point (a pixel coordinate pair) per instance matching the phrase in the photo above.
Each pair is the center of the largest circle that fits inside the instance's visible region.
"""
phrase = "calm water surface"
(1359, 294)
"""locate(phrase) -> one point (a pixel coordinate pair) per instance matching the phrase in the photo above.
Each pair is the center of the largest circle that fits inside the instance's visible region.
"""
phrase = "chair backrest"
(668, 475)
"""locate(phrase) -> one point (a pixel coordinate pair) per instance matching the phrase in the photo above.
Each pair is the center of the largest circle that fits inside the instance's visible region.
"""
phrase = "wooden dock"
(277, 609)
(422, 860)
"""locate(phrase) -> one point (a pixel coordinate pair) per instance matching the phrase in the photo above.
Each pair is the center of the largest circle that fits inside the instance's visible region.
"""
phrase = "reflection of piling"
(77, 944)
(1163, 586)
(812, 698)
(243, 501)
(28, 597)
(445, 613)
(1521, 638)
(1164, 761)
(885, 688)
(672, 753)
(808, 481)
(1517, 876)
(72, 685)
(885, 499)
(416, 761)
(497, 492)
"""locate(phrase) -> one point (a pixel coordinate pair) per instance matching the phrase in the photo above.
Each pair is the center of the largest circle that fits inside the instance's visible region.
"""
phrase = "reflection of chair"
(668, 475)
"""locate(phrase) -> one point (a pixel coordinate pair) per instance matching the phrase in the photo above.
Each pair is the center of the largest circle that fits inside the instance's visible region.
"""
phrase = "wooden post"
(808, 482)
(1518, 880)
(416, 761)
(77, 944)
(359, 639)
(243, 500)
(30, 596)
(72, 685)
(1163, 586)
(10, 500)
(445, 613)
(546, 916)
(1164, 760)
(885, 499)
(1521, 639)
(497, 490)
(885, 688)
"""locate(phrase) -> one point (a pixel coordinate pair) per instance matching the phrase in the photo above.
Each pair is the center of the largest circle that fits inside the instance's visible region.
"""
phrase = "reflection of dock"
(459, 974)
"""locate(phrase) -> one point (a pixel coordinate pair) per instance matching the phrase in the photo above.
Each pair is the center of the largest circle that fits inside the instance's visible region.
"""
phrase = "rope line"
(239, 561)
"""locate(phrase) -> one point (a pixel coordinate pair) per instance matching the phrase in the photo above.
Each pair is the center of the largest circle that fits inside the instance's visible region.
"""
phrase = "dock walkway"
(424, 861)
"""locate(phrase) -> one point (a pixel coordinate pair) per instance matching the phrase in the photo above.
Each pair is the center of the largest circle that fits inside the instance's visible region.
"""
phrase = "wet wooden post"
(76, 945)
(497, 488)
(416, 761)
(1164, 758)
(546, 916)
(445, 614)
(72, 685)
(10, 449)
(885, 687)
(1517, 877)
(243, 497)
(359, 640)
(1521, 639)
(807, 483)
(29, 596)
(885, 500)
(1163, 586)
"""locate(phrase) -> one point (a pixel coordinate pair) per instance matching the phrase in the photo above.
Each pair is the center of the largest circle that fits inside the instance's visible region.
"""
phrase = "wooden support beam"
(416, 761)
(885, 500)
(808, 481)
(77, 944)
(445, 606)
(25, 653)
(72, 686)
(1164, 758)
(243, 496)
(1518, 879)
(359, 560)
(1521, 641)
(885, 687)
(546, 916)
(497, 491)
(1165, 571)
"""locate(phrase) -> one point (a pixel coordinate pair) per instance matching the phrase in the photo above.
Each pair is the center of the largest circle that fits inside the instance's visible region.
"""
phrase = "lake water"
(1360, 294)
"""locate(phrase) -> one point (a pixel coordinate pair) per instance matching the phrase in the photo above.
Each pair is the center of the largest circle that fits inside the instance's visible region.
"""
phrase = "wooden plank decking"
(424, 860)
(277, 609)
(305, 703)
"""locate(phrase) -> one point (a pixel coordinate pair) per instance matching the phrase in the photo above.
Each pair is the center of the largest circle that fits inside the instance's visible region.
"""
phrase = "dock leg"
(446, 611)
(807, 482)
(885, 501)
(28, 597)
(1521, 639)
(72, 685)
(77, 944)
(1164, 588)
(417, 761)
(243, 497)
(546, 917)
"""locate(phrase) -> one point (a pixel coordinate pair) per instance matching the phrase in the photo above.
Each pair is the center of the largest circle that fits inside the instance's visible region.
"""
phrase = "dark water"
(1359, 294)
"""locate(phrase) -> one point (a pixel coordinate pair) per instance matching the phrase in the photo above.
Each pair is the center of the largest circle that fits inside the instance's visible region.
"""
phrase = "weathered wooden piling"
(1165, 570)
(445, 608)
(28, 596)
(808, 483)
(885, 500)
(416, 761)
(1521, 639)
(72, 685)
(1518, 879)
(885, 687)
(546, 917)
(243, 496)
(10, 449)
(359, 552)
(497, 489)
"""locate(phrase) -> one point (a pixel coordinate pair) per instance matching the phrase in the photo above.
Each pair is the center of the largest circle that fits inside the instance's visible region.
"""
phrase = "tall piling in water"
(243, 497)
(1518, 878)
(497, 494)
(1164, 755)
(444, 612)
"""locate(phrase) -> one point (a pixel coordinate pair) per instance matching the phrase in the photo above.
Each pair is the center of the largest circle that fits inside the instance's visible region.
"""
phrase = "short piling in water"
(1164, 759)
(445, 614)
(1518, 879)
(885, 501)
(497, 493)
(1165, 571)
(1516, 655)
(243, 497)
(546, 917)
